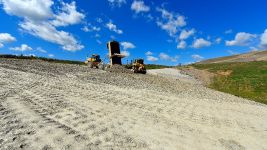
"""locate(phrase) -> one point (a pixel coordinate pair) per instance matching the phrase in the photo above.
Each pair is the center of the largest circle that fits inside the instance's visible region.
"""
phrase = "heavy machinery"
(138, 66)
(115, 55)
(93, 61)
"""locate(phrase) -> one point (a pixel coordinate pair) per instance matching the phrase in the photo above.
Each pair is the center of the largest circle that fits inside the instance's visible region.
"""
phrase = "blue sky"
(160, 31)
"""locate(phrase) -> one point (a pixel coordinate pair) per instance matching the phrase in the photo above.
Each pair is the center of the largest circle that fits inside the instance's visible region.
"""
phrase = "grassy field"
(248, 80)
(153, 66)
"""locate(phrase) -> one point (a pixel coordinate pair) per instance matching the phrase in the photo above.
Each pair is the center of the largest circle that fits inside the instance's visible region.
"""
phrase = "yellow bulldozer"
(94, 61)
(138, 66)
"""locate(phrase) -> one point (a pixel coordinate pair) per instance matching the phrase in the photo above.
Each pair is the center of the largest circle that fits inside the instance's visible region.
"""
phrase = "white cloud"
(117, 3)
(166, 57)
(186, 34)
(139, 6)
(29, 9)
(152, 58)
(182, 45)
(199, 43)
(86, 29)
(97, 35)
(22, 48)
(253, 49)
(228, 31)
(148, 53)
(40, 49)
(49, 33)
(232, 52)
(39, 20)
(127, 45)
(99, 20)
(91, 28)
(263, 39)
(68, 15)
(125, 53)
(218, 40)
(6, 38)
(170, 22)
(197, 57)
(51, 55)
(113, 27)
(242, 39)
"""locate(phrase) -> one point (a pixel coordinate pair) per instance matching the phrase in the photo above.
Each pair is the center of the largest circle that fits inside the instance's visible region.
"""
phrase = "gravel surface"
(58, 106)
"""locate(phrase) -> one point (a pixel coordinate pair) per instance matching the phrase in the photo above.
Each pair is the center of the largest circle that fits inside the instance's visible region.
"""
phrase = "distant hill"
(247, 57)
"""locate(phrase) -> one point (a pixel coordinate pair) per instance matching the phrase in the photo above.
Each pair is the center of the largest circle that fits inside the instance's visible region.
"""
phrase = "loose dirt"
(57, 106)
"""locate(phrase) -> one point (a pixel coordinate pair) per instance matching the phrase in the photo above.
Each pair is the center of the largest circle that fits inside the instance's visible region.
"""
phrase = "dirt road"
(55, 106)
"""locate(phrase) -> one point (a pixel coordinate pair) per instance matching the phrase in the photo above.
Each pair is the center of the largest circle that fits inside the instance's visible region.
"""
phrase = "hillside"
(247, 57)
(245, 79)
(46, 105)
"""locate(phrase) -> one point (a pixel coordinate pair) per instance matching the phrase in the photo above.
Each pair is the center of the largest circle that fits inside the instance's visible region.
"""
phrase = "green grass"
(153, 66)
(43, 58)
(248, 79)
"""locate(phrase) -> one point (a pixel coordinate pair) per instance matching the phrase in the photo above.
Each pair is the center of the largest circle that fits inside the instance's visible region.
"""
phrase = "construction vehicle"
(138, 66)
(94, 61)
(115, 55)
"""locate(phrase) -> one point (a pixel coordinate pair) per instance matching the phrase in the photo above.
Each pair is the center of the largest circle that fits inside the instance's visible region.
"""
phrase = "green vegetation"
(43, 58)
(153, 66)
(246, 79)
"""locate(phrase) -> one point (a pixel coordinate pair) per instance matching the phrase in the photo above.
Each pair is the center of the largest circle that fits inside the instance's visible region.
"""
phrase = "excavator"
(93, 61)
(138, 66)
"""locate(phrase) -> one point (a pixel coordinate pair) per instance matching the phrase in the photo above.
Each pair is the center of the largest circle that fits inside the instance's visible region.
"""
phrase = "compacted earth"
(59, 106)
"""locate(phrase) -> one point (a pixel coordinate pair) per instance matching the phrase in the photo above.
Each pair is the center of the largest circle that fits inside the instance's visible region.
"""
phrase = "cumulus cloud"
(263, 39)
(241, 39)
(90, 28)
(51, 55)
(127, 45)
(49, 33)
(40, 20)
(218, 40)
(40, 49)
(152, 58)
(182, 45)
(199, 43)
(148, 53)
(22, 48)
(117, 3)
(29, 9)
(125, 53)
(113, 27)
(68, 15)
(197, 57)
(186, 34)
(166, 57)
(6, 38)
(170, 22)
(139, 6)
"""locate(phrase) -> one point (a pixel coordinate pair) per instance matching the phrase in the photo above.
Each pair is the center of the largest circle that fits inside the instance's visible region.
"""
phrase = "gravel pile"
(117, 75)
(118, 69)
(60, 106)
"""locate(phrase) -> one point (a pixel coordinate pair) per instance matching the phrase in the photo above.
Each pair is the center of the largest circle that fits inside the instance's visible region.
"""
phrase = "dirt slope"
(252, 56)
(55, 106)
